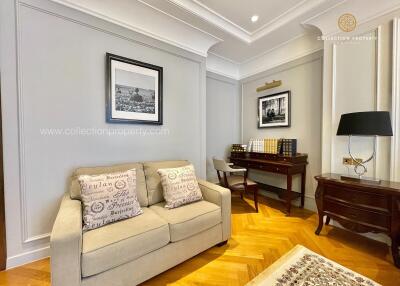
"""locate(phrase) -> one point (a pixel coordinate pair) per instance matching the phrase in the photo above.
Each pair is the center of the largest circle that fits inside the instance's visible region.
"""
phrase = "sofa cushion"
(153, 180)
(188, 220)
(108, 198)
(179, 186)
(118, 243)
(141, 190)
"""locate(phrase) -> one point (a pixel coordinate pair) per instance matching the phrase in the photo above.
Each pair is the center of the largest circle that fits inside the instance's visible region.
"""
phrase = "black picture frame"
(275, 119)
(139, 110)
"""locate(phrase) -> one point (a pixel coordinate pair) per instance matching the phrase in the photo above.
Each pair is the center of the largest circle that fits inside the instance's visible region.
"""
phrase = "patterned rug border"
(301, 266)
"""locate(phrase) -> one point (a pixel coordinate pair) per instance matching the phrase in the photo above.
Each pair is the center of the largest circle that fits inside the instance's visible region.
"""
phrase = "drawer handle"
(277, 169)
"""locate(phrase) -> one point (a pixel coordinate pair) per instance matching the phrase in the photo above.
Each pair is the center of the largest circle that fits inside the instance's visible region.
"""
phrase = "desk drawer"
(357, 214)
(268, 168)
(357, 197)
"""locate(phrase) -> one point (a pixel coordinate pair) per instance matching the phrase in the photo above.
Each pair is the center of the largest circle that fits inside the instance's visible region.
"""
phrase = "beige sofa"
(131, 251)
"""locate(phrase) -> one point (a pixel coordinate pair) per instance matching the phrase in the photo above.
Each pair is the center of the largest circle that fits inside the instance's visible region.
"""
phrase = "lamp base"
(361, 179)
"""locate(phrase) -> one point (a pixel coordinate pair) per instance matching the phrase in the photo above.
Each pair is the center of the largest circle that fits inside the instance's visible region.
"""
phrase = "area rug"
(302, 267)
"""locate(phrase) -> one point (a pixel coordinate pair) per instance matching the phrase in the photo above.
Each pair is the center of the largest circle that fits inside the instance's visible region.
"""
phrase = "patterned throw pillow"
(108, 198)
(179, 186)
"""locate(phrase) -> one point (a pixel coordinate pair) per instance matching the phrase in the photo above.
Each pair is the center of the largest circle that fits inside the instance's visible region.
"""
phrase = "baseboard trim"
(27, 257)
(309, 202)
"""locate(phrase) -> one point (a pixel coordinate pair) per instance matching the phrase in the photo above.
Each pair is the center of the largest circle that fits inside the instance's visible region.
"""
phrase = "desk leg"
(288, 193)
(303, 187)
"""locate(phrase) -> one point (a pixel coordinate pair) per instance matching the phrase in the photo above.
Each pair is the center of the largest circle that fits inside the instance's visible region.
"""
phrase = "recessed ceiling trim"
(288, 16)
(180, 20)
(213, 17)
(224, 58)
(198, 9)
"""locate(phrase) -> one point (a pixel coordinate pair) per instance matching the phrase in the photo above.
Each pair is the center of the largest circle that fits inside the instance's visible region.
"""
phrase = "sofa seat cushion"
(188, 220)
(118, 243)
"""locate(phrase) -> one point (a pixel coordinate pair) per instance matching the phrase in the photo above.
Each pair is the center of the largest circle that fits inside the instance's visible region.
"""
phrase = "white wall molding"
(222, 66)
(377, 97)
(395, 144)
(378, 71)
(27, 257)
(26, 237)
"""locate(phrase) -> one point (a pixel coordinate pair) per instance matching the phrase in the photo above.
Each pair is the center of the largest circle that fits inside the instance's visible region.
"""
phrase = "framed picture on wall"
(134, 91)
(274, 110)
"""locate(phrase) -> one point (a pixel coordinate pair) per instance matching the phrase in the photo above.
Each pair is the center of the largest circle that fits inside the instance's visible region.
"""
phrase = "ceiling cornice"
(293, 49)
(326, 21)
(200, 10)
(201, 46)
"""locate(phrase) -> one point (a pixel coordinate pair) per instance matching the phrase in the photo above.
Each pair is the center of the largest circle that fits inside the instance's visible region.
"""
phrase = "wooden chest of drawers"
(360, 206)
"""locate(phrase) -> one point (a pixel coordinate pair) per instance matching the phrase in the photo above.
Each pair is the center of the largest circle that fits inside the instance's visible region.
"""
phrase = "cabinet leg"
(320, 224)
(288, 193)
(328, 219)
(395, 252)
(318, 199)
(303, 187)
(256, 197)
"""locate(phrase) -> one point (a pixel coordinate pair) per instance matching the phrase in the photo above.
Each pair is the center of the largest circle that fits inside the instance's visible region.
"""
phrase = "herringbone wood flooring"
(257, 241)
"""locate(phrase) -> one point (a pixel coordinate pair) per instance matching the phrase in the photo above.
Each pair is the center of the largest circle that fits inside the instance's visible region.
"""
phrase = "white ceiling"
(239, 12)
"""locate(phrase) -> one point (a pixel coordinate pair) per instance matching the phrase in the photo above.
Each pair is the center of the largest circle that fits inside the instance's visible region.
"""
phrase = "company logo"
(347, 22)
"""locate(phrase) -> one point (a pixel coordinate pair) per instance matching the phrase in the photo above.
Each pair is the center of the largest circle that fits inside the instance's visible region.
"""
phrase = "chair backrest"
(220, 165)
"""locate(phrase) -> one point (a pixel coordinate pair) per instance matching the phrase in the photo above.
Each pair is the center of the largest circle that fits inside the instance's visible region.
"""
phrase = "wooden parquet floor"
(258, 239)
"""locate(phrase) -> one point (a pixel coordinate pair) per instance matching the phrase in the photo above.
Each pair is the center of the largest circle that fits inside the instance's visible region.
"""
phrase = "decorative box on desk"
(361, 206)
(275, 163)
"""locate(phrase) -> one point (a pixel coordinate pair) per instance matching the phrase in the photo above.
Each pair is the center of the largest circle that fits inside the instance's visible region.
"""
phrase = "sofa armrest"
(221, 197)
(66, 244)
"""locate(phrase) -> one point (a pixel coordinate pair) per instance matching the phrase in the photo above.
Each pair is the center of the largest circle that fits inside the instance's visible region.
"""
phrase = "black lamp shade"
(369, 123)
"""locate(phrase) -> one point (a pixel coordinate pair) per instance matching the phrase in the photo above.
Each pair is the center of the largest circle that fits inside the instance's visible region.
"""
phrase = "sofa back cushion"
(153, 180)
(75, 190)
(180, 186)
(108, 198)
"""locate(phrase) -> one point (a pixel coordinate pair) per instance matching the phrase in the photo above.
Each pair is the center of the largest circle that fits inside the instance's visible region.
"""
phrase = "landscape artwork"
(274, 110)
(135, 93)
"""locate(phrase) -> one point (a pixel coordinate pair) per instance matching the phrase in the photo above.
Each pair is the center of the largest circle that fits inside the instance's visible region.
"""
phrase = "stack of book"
(256, 145)
(271, 146)
(286, 147)
(238, 148)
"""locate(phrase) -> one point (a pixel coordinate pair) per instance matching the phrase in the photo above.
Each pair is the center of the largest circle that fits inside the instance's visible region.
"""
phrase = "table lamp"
(369, 123)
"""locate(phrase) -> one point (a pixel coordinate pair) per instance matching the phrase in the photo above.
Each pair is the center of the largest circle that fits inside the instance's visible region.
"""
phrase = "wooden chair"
(235, 182)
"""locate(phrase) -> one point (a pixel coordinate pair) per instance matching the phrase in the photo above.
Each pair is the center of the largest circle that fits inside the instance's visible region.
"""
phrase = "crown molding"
(299, 9)
(200, 47)
(291, 50)
(326, 21)
(200, 10)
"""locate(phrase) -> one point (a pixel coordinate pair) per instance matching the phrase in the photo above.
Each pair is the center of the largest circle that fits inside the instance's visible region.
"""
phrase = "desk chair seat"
(235, 182)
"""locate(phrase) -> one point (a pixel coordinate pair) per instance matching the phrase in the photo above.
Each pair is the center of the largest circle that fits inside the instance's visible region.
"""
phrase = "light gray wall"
(53, 76)
(223, 118)
(303, 78)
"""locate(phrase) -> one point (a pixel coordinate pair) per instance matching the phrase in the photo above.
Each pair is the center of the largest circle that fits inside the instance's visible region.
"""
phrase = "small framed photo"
(134, 91)
(274, 110)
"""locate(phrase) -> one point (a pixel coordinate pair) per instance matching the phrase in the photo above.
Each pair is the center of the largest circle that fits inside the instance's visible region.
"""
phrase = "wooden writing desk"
(278, 164)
